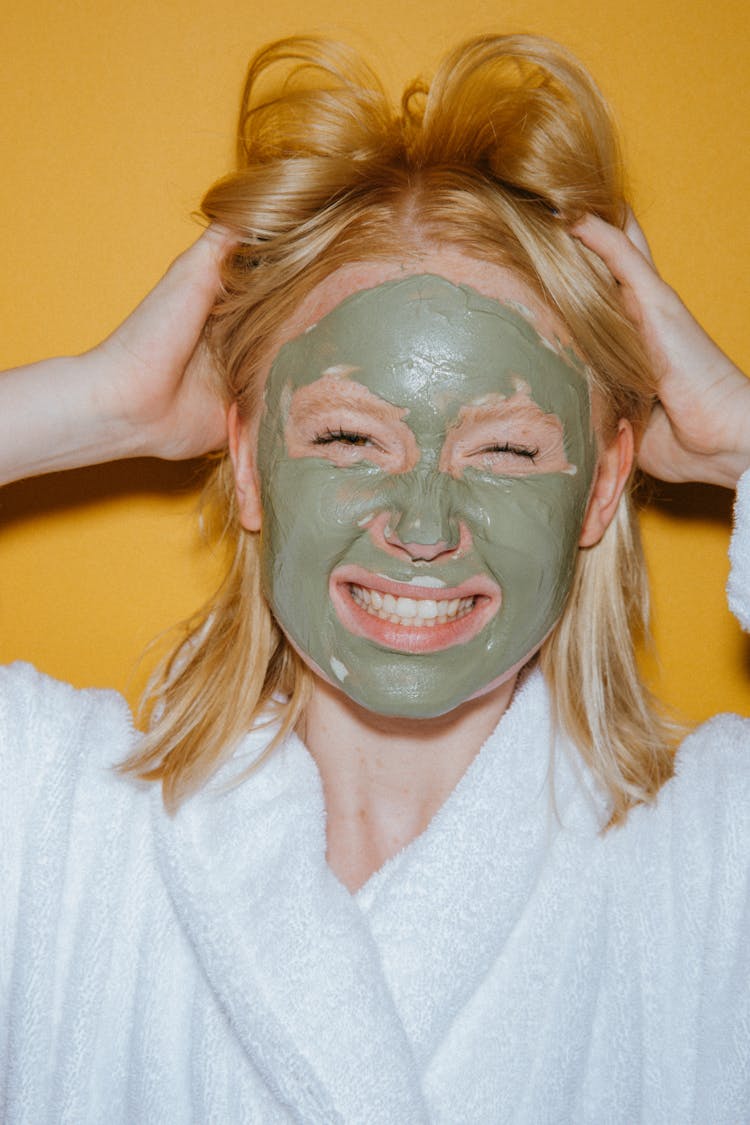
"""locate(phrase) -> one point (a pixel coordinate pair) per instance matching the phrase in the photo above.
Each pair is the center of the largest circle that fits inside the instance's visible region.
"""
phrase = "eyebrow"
(313, 405)
(519, 407)
(493, 408)
(308, 404)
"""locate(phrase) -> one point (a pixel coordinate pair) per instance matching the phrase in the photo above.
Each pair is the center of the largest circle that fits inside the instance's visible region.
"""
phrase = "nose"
(420, 520)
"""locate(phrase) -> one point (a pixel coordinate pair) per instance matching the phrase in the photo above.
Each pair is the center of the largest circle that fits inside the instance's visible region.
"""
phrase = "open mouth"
(418, 613)
(408, 617)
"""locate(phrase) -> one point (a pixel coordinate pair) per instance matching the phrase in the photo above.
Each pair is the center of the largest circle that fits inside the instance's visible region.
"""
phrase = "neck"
(384, 778)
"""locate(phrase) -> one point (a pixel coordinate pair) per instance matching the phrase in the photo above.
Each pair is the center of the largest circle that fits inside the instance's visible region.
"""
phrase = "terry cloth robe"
(512, 964)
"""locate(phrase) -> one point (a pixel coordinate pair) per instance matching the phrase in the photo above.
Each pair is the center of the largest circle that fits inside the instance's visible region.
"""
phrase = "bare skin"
(146, 390)
(699, 429)
(525, 421)
(311, 405)
(384, 779)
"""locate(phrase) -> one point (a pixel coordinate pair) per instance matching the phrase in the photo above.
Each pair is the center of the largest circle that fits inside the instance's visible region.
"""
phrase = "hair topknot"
(518, 110)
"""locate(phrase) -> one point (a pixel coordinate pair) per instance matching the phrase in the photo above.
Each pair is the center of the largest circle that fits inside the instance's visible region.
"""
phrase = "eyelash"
(517, 450)
(346, 437)
(354, 439)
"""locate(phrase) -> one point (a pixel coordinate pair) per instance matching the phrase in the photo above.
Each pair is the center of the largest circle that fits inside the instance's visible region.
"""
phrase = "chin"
(421, 706)
(425, 702)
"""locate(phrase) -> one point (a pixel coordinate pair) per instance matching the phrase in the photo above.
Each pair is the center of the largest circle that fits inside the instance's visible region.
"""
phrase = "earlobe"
(242, 448)
(612, 472)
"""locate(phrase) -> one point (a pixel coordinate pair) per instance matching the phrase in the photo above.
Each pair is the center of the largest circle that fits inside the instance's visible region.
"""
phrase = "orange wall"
(117, 116)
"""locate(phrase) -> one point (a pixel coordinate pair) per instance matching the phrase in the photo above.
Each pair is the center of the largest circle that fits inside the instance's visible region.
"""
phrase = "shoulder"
(36, 706)
(49, 726)
(24, 683)
(709, 794)
(712, 769)
(694, 840)
(680, 866)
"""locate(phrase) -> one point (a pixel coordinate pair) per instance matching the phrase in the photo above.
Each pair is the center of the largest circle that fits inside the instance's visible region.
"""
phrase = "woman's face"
(424, 456)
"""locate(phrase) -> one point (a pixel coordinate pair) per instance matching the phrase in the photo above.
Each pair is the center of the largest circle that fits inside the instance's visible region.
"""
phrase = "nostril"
(424, 547)
(424, 552)
(386, 537)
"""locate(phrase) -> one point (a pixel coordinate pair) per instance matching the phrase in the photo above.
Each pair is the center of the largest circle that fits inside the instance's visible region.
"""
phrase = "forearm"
(144, 391)
(59, 414)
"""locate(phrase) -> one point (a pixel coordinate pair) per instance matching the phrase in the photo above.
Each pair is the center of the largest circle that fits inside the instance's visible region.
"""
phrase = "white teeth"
(389, 602)
(427, 608)
(417, 612)
(406, 607)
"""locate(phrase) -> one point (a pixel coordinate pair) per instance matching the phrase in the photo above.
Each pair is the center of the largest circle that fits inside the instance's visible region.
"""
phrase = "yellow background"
(115, 117)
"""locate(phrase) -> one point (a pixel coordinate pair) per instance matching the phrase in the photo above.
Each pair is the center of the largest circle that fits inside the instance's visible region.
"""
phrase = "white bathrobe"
(512, 964)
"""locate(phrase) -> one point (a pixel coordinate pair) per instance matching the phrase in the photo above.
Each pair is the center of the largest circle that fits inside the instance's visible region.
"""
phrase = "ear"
(242, 450)
(612, 471)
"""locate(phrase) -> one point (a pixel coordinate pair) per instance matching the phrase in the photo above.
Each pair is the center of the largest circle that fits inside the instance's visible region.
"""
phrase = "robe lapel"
(284, 947)
(442, 911)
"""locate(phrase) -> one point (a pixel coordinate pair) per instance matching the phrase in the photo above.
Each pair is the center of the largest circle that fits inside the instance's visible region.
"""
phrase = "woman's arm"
(145, 391)
(700, 429)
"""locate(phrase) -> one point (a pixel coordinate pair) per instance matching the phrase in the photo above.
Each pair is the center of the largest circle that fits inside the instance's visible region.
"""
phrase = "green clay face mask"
(425, 459)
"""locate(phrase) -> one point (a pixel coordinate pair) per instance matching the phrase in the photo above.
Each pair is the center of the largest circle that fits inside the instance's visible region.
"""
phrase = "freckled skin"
(440, 360)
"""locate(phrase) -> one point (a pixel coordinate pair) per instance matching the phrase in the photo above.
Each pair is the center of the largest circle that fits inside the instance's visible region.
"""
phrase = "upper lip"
(477, 586)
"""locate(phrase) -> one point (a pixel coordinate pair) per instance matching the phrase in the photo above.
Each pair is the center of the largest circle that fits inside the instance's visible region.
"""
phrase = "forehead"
(430, 344)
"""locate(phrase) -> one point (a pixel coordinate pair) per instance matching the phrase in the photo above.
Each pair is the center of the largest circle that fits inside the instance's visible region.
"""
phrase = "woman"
(420, 850)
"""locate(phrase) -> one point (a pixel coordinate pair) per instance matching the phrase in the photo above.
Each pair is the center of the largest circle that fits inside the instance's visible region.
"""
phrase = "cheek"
(312, 511)
(527, 530)
(313, 517)
(529, 544)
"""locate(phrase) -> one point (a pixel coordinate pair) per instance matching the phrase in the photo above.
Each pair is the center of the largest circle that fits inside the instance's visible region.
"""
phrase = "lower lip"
(411, 638)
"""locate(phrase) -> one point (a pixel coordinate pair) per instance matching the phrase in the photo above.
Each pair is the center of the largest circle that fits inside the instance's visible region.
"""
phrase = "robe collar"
(341, 1000)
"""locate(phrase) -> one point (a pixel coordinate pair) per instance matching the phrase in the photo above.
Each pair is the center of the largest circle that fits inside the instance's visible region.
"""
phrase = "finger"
(626, 262)
(166, 326)
(191, 284)
(218, 239)
(634, 231)
(198, 267)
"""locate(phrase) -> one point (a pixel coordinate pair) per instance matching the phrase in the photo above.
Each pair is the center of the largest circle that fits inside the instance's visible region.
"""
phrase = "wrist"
(113, 431)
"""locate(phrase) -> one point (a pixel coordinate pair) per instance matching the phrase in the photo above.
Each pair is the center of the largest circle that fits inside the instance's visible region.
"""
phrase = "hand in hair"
(144, 391)
(700, 427)
(162, 362)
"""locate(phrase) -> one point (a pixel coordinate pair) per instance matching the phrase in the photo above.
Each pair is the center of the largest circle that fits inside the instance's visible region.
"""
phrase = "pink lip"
(408, 638)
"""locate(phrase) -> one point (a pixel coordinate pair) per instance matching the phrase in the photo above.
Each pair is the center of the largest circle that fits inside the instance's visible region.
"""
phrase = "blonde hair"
(508, 144)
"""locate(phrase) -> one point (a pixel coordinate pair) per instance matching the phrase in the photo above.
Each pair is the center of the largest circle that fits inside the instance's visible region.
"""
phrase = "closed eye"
(338, 420)
(516, 450)
(343, 437)
(508, 437)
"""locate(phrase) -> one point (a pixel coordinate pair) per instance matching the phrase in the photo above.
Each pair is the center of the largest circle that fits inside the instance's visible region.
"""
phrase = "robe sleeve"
(738, 585)
(51, 737)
